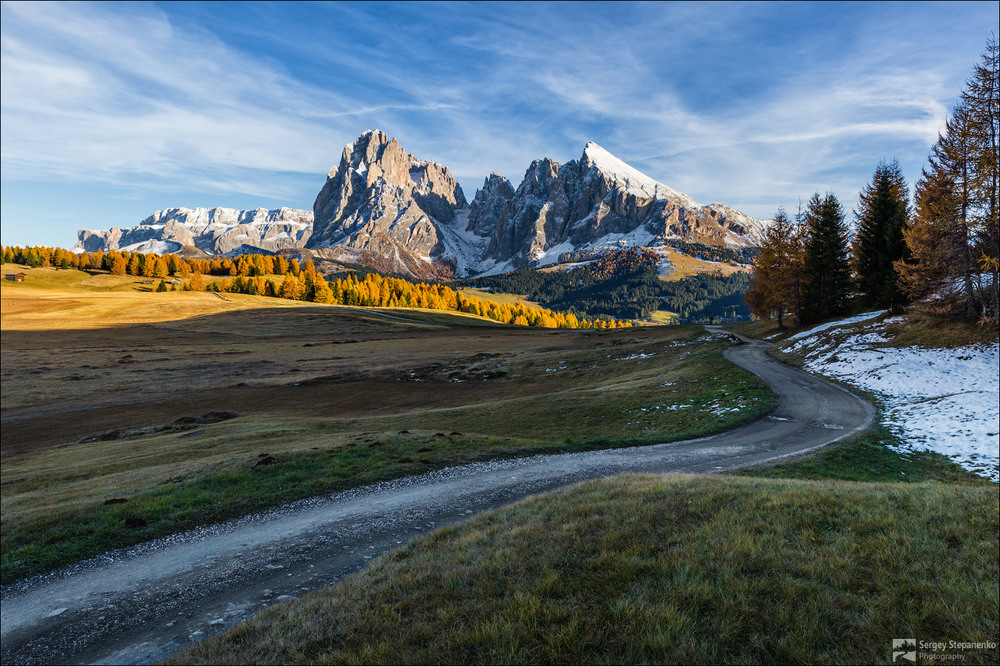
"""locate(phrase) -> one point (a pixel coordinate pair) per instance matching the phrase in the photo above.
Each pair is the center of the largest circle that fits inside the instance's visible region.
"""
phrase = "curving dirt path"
(139, 605)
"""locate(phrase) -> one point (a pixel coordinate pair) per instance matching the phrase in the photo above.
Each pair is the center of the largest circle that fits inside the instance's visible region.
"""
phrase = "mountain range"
(384, 208)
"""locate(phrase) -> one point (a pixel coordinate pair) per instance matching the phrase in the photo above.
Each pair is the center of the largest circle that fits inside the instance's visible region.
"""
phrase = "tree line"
(942, 254)
(252, 274)
(123, 262)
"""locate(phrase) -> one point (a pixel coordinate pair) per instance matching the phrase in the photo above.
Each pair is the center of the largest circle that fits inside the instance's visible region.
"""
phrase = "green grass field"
(660, 569)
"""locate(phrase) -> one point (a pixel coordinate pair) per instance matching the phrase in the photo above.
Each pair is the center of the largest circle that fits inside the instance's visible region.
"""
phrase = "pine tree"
(882, 218)
(827, 287)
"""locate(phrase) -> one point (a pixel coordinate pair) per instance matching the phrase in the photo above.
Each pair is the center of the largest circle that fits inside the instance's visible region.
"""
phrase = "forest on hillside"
(625, 284)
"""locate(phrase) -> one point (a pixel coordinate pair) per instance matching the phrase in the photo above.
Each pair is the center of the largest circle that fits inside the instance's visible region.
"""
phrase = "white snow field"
(942, 400)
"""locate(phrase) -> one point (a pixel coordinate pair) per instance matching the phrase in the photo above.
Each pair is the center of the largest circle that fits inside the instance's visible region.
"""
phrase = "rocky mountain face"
(596, 201)
(384, 208)
(211, 230)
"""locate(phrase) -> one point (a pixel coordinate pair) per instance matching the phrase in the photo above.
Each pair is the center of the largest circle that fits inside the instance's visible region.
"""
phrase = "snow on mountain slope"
(635, 181)
(942, 400)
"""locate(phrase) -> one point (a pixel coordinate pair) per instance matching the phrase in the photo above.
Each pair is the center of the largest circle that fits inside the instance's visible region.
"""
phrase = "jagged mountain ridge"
(595, 201)
(387, 209)
(211, 230)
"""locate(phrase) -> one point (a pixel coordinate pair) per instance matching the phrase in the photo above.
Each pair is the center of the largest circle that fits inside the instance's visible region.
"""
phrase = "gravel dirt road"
(139, 605)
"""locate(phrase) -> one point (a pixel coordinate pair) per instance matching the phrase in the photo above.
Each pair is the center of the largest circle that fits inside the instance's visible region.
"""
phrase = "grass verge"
(661, 569)
(870, 458)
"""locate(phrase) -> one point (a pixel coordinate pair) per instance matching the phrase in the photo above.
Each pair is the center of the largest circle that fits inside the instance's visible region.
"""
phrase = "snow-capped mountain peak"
(634, 181)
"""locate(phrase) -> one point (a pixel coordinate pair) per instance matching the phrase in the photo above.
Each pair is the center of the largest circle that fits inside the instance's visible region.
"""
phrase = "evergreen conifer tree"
(827, 287)
(882, 218)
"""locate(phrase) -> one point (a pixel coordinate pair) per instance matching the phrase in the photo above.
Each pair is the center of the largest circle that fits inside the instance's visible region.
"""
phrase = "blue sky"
(112, 111)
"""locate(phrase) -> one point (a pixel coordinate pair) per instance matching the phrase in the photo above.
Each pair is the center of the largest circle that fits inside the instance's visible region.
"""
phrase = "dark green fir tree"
(882, 216)
(827, 288)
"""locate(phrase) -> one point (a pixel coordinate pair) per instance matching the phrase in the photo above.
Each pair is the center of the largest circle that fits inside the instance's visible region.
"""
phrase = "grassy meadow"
(185, 409)
(686, 266)
(338, 397)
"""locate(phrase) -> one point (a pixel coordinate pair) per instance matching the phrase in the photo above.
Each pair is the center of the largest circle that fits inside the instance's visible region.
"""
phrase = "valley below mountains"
(385, 209)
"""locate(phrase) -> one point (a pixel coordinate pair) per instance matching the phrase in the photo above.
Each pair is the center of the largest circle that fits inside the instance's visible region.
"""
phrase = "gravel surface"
(139, 605)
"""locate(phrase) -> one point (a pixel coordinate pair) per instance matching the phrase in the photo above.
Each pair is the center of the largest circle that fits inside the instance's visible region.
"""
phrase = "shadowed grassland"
(337, 397)
(53, 500)
(661, 569)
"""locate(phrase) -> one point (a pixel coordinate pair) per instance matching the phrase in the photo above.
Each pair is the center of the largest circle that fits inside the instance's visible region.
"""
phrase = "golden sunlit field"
(685, 266)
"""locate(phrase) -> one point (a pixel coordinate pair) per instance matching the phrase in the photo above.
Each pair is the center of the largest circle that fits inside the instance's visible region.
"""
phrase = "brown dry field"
(143, 359)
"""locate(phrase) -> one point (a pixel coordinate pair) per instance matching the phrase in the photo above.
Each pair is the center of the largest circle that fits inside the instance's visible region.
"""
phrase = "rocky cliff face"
(211, 230)
(595, 201)
(383, 207)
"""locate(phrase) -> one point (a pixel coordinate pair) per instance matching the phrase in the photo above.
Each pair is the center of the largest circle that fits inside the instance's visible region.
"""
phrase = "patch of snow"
(154, 247)
(942, 400)
(834, 324)
(551, 255)
(462, 245)
(631, 357)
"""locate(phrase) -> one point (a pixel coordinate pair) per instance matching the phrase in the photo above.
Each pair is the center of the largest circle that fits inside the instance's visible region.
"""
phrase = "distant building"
(15, 277)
